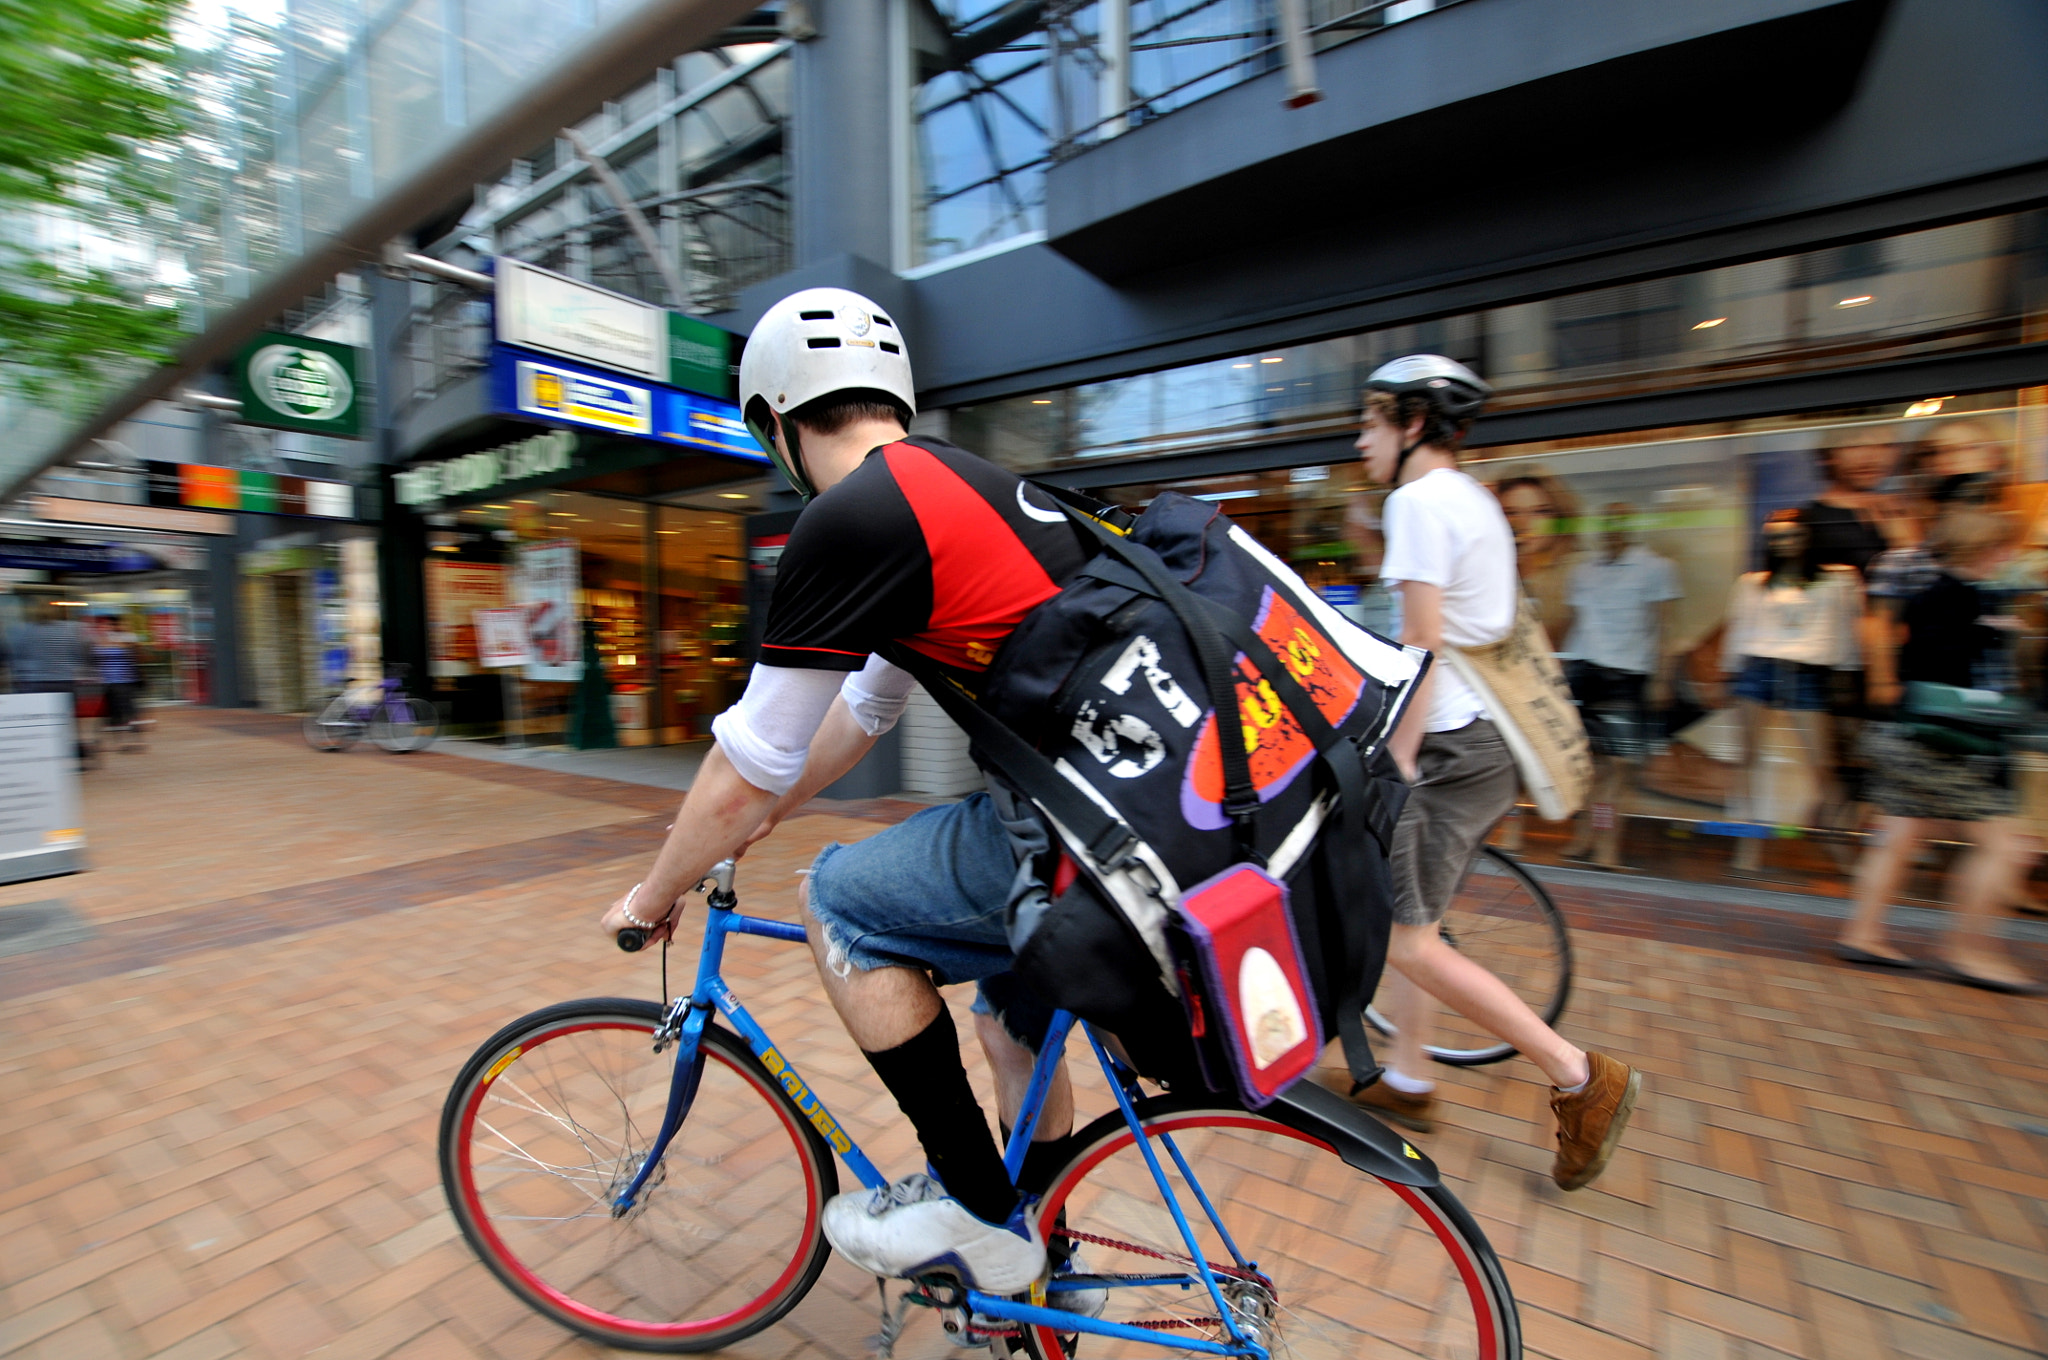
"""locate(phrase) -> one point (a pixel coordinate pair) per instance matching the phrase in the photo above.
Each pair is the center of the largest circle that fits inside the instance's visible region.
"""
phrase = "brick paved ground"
(218, 1113)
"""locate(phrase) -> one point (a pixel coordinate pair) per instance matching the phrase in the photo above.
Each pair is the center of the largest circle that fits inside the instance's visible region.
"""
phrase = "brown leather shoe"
(1410, 1112)
(1590, 1120)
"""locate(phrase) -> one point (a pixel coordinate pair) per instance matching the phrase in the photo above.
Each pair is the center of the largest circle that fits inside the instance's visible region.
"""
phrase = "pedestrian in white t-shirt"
(1451, 556)
(1621, 600)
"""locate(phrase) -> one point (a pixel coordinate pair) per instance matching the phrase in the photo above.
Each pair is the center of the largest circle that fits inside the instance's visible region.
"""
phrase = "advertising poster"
(501, 638)
(546, 583)
(455, 591)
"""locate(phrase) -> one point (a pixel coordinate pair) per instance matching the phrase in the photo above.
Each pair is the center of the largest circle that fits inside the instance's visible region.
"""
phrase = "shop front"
(622, 555)
(1766, 786)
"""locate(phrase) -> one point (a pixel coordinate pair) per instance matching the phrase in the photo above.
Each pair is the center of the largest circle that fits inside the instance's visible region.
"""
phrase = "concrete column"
(843, 101)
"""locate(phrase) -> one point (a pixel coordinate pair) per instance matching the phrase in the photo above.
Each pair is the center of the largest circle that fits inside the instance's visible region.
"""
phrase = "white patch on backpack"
(1105, 736)
(1143, 651)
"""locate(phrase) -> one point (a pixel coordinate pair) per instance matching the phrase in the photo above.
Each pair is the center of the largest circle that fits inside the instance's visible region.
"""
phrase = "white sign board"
(40, 831)
(501, 638)
(542, 310)
(547, 581)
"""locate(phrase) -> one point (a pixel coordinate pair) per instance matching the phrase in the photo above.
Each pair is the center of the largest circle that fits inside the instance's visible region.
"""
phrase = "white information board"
(41, 825)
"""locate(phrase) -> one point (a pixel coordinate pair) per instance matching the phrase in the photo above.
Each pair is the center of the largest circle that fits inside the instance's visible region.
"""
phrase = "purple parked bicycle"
(394, 719)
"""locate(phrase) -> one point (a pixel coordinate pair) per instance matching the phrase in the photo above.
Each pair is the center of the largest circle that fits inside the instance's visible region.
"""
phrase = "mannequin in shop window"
(1540, 512)
(1790, 627)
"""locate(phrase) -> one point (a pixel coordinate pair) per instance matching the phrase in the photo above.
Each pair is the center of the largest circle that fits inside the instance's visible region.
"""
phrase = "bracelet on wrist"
(632, 920)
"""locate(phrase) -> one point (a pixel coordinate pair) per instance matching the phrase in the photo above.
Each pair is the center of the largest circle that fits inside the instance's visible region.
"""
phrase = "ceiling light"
(1859, 300)
(1223, 495)
(1246, 364)
(732, 495)
(1929, 407)
(668, 531)
(1709, 323)
(1041, 401)
(1276, 389)
(1276, 359)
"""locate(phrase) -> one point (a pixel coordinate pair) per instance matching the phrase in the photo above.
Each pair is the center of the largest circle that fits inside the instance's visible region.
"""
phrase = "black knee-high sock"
(925, 1075)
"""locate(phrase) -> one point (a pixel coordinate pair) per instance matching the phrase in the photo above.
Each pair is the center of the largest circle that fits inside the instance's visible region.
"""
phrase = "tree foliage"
(85, 87)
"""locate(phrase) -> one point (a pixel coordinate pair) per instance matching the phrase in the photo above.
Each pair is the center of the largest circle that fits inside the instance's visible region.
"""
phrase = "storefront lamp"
(1709, 323)
(1861, 299)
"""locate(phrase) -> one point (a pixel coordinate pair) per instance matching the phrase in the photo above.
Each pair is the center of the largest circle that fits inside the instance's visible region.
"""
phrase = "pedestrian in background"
(47, 652)
(113, 654)
(1621, 607)
(1945, 633)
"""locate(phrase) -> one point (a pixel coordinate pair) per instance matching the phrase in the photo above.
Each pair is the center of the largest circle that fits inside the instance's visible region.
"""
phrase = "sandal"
(1849, 953)
(1947, 971)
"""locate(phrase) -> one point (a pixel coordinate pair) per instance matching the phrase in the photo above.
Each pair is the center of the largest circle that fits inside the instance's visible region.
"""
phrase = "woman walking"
(1945, 633)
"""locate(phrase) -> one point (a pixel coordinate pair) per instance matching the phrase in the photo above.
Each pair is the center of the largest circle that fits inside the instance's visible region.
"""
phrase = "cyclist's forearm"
(721, 811)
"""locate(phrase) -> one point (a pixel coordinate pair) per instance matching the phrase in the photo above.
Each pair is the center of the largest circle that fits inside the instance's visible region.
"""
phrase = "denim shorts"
(930, 893)
(1776, 683)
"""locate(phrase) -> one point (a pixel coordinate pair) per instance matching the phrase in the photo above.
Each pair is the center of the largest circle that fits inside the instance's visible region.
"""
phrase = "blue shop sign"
(542, 387)
(102, 558)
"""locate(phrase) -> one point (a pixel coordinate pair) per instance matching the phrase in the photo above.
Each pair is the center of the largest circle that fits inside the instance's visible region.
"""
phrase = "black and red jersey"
(923, 545)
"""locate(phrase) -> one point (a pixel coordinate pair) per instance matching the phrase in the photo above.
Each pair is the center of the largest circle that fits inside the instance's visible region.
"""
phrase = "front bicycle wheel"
(333, 728)
(553, 1115)
(1504, 920)
(1337, 1264)
(405, 724)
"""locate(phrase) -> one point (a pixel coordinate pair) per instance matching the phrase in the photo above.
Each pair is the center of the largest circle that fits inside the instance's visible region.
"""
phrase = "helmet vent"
(881, 320)
(815, 316)
(823, 342)
(891, 347)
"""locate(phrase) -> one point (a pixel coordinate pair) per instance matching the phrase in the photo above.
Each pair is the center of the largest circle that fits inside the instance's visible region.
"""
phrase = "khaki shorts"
(1465, 784)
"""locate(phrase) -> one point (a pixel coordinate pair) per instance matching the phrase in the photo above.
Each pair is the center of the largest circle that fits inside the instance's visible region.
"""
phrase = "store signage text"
(295, 382)
(700, 357)
(546, 311)
(552, 451)
(523, 386)
(200, 486)
(562, 394)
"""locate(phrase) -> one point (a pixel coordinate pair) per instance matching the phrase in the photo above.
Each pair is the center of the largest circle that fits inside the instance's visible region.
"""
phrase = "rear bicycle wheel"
(1343, 1264)
(333, 728)
(1504, 920)
(405, 724)
(553, 1115)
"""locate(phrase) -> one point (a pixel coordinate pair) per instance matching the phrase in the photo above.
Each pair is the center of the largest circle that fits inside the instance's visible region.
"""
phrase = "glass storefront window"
(702, 630)
(1696, 498)
(1972, 285)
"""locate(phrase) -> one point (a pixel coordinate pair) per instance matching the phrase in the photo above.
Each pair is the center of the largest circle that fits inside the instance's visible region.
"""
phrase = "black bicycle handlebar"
(632, 939)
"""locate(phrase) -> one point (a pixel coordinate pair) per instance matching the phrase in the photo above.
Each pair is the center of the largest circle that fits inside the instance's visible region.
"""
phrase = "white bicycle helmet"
(809, 345)
(1455, 390)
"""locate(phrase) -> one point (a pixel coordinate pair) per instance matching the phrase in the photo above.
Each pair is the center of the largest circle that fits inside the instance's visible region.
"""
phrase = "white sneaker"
(914, 1226)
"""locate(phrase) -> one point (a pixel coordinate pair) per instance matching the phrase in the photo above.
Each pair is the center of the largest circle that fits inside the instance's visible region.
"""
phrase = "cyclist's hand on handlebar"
(614, 919)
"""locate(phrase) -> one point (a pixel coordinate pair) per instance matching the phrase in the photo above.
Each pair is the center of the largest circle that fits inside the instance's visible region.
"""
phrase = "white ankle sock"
(1574, 1090)
(1406, 1085)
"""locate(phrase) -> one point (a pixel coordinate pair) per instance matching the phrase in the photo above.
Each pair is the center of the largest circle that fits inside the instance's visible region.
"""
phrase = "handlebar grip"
(632, 940)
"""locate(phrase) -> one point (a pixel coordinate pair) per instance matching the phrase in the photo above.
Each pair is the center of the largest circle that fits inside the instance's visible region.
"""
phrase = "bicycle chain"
(1233, 1272)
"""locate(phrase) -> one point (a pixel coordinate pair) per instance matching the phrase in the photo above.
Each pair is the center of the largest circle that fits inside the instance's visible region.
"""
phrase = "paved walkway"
(219, 1108)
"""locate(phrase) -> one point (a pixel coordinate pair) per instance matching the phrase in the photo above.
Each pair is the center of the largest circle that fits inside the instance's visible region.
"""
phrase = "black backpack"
(1095, 725)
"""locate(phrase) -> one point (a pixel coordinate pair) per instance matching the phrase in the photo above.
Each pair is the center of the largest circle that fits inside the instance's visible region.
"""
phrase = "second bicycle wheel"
(333, 728)
(405, 724)
(553, 1115)
(1504, 920)
(1344, 1265)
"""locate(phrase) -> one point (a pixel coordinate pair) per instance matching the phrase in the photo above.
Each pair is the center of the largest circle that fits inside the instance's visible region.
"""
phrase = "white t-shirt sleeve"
(876, 695)
(1418, 545)
(767, 734)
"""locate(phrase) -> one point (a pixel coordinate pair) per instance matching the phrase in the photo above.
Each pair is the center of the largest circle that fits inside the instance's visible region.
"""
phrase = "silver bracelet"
(631, 919)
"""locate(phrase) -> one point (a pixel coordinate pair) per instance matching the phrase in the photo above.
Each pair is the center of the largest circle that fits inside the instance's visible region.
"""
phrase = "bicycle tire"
(412, 732)
(332, 728)
(1513, 928)
(1349, 1257)
(562, 1104)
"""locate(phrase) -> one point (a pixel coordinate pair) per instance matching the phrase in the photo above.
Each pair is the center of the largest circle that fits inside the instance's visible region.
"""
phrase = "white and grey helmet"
(809, 345)
(1454, 389)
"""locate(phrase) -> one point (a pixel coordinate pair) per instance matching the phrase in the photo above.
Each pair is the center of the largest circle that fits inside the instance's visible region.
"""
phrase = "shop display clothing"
(1946, 643)
(1446, 530)
(1842, 538)
(1812, 624)
(1614, 607)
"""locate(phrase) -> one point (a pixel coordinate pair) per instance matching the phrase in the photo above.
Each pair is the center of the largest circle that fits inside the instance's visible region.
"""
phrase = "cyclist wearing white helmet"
(906, 544)
(1451, 557)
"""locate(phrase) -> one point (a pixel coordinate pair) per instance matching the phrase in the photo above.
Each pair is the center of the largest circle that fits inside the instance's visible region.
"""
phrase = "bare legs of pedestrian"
(1428, 970)
(2001, 852)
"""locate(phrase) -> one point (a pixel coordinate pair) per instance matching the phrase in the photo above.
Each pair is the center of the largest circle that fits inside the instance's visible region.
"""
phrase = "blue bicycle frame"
(689, 1015)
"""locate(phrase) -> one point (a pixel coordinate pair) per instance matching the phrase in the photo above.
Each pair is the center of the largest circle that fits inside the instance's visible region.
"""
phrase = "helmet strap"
(1401, 458)
(799, 476)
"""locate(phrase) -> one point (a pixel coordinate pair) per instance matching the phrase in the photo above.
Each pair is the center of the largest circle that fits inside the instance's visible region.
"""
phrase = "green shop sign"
(700, 357)
(294, 382)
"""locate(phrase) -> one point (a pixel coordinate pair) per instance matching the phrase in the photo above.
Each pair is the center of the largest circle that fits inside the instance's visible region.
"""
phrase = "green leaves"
(87, 91)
